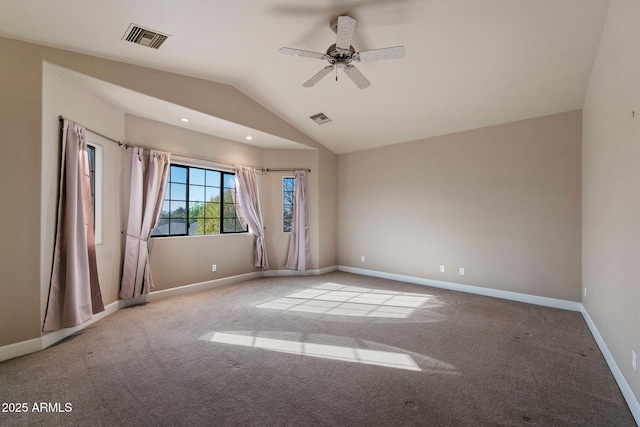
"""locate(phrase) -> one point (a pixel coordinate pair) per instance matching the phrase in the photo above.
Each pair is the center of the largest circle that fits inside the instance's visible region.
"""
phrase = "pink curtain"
(299, 257)
(249, 212)
(148, 185)
(74, 292)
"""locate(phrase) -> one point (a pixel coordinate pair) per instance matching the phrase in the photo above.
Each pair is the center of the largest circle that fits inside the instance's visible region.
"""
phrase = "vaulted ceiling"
(468, 63)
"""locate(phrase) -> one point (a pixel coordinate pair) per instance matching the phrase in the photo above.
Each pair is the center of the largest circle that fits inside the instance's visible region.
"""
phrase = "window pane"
(213, 178)
(227, 196)
(178, 209)
(212, 194)
(91, 153)
(288, 193)
(178, 192)
(178, 226)
(287, 221)
(288, 184)
(239, 226)
(211, 226)
(196, 193)
(165, 209)
(229, 211)
(162, 229)
(229, 181)
(194, 228)
(212, 210)
(178, 174)
(196, 176)
(287, 198)
(229, 225)
(196, 210)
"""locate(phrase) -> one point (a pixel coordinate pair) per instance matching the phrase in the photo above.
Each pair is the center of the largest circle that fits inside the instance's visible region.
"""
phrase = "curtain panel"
(149, 175)
(250, 213)
(299, 256)
(74, 291)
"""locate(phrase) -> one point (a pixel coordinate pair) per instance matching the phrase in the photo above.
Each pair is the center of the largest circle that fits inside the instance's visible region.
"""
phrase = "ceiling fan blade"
(318, 76)
(304, 53)
(346, 27)
(379, 54)
(358, 78)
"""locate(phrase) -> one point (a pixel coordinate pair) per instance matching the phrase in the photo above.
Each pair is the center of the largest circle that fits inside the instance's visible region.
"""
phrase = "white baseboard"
(285, 273)
(20, 348)
(187, 289)
(495, 293)
(31, 346)
(628, 394)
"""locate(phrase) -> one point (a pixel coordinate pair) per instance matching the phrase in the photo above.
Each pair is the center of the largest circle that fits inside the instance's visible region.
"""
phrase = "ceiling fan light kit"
(342, 54)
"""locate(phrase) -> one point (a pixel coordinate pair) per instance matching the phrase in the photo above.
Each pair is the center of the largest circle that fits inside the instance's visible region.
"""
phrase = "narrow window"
(94, 154)
(91, 154)
(288, 193)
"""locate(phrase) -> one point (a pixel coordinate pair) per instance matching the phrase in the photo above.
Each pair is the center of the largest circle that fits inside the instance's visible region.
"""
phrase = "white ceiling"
(468, 63)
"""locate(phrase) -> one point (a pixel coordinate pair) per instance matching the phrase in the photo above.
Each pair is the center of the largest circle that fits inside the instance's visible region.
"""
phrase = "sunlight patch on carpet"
(342, 300)
(323, 351)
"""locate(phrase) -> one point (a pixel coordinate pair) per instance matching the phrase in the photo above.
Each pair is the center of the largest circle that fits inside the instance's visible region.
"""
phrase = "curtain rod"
(221, 162)
(61, 118)
(126, 146)
(286, 170)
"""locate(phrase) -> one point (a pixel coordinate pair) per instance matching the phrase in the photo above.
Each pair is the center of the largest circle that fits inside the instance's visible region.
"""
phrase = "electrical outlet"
(214, 267)
(634, 358)
(362, 258)
(462, 271)
(442, 269)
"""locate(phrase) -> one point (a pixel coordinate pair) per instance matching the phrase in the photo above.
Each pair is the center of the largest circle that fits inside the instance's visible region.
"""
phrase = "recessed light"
(249, 137)
(184, 119)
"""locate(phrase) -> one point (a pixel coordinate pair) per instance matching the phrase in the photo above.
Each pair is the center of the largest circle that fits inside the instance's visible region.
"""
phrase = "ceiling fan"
(342, 54)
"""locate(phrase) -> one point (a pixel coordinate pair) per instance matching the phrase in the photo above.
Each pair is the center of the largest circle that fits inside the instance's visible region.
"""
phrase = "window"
(198, 201)
(288, 193)
(94, 154)
(91, 154)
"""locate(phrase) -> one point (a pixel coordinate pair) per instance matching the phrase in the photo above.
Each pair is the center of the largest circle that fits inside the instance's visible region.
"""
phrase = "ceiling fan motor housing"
(341, 57)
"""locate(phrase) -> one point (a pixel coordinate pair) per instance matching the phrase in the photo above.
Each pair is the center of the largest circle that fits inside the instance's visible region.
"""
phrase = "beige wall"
(611, 188)
(20, 157)
(328, 208)
(503, 202)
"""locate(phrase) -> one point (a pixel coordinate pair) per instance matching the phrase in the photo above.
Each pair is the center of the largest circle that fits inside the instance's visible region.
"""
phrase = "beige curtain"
(249, 212)
(149, 176)
(74, 292)
(299, 257)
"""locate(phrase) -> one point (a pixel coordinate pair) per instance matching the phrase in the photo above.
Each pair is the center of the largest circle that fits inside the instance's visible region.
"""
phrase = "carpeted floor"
(338, 350)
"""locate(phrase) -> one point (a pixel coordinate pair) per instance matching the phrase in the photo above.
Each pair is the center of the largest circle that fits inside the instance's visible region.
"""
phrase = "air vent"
(320, 118)
(144, 36)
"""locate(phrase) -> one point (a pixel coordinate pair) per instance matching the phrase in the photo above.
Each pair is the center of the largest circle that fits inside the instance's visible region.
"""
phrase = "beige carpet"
(338, 350)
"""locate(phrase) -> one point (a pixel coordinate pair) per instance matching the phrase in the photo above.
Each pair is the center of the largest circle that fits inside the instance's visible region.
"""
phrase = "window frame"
(285, 203)
(96, 176)
(189, 204)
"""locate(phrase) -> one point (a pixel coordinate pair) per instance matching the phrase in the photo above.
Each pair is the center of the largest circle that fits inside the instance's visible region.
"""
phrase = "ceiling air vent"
(144, 36)
(320, 118)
